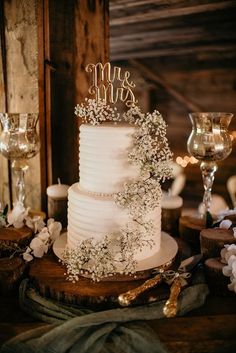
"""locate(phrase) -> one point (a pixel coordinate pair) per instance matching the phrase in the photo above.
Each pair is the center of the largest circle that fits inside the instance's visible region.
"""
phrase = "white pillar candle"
(171, 202)
(58, 191)
(57, 202)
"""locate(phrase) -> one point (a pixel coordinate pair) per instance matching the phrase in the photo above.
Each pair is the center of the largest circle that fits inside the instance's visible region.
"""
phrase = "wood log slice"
(11, 271)
(215, 279)
(189, 230)
(212, 241)
(184, 251)
(49, 277)
(170, 220)
(33, 213)
(11, 237)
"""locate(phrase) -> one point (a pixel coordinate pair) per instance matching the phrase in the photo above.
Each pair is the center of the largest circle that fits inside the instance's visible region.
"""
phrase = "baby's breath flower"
(96, 111)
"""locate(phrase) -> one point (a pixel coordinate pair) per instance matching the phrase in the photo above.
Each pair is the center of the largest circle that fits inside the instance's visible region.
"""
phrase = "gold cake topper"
(110, 85)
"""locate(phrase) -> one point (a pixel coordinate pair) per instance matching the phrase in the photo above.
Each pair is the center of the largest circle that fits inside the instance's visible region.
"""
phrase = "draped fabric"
(72, 329)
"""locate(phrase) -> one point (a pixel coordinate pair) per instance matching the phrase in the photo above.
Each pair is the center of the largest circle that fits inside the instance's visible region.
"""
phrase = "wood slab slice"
(212, 241)
(49, 277)
(10, 236)
(215, 279)
(11, 271)
(170, 220)
(189, 230)
(33, 213)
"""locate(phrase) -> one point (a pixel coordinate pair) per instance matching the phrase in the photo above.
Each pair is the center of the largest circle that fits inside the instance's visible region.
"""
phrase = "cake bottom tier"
(94, 216)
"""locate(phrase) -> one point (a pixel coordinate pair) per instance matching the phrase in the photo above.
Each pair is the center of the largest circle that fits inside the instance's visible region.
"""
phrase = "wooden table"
(211, 328)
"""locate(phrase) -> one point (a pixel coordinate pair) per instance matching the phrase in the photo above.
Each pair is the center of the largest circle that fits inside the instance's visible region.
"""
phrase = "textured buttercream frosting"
(104, 168)
(103, 157)
(91, 216)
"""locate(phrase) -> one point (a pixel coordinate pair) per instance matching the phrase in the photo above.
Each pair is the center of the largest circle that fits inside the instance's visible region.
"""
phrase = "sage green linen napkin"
(78, 330)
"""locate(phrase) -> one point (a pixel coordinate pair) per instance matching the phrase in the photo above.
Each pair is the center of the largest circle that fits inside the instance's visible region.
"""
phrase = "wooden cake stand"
(49, 277)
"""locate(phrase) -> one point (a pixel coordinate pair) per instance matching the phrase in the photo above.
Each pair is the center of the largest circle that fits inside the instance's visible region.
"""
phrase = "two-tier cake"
(104, 168)
(114, 212)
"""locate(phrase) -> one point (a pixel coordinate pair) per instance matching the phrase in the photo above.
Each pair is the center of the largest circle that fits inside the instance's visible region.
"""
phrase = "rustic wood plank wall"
(19, 37)
(210, 85)
(47, 46)
(78, 36)
(161, 28)
(214, 90)
(44, 98)
(4, 181)
(187, 50)
(74, 33)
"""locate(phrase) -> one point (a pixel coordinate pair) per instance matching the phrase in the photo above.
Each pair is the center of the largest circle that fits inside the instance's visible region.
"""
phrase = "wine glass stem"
(208, 175)
(19, 167)
(20, 186)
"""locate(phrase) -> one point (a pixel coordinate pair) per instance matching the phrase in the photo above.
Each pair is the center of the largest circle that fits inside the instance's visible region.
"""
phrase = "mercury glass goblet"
(19, 141)
(209, 142)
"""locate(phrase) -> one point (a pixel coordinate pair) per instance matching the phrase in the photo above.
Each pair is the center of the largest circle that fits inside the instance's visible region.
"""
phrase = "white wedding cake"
(104, 168)
(114, 212)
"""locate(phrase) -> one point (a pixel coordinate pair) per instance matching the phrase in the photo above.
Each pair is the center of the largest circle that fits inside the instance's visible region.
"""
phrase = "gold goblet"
(19, 141)
(209, 142)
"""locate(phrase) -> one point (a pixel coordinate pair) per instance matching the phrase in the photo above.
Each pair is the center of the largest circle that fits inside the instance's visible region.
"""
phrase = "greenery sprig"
(3, 217)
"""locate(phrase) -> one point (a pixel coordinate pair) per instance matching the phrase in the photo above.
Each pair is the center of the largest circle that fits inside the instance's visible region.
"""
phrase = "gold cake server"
(125, 299)
(177, 281)
(169, 276)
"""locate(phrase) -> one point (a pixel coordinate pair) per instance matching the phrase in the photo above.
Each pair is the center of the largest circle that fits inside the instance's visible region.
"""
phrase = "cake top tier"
(104, 157)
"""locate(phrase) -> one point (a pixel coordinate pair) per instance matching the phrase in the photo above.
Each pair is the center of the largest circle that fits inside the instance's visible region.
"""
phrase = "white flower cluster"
(96, 112)
(226, 213)
(134, 237)
(226, 224)
(139, 196)
(113, 254)
(90, 257)
(228, 255)
(151, 153)
(42, 241)
(17, 216)
(45, 235)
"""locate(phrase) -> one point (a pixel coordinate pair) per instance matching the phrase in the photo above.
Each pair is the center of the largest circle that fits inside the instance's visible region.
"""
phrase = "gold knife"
(170, 307)
(127, 298)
